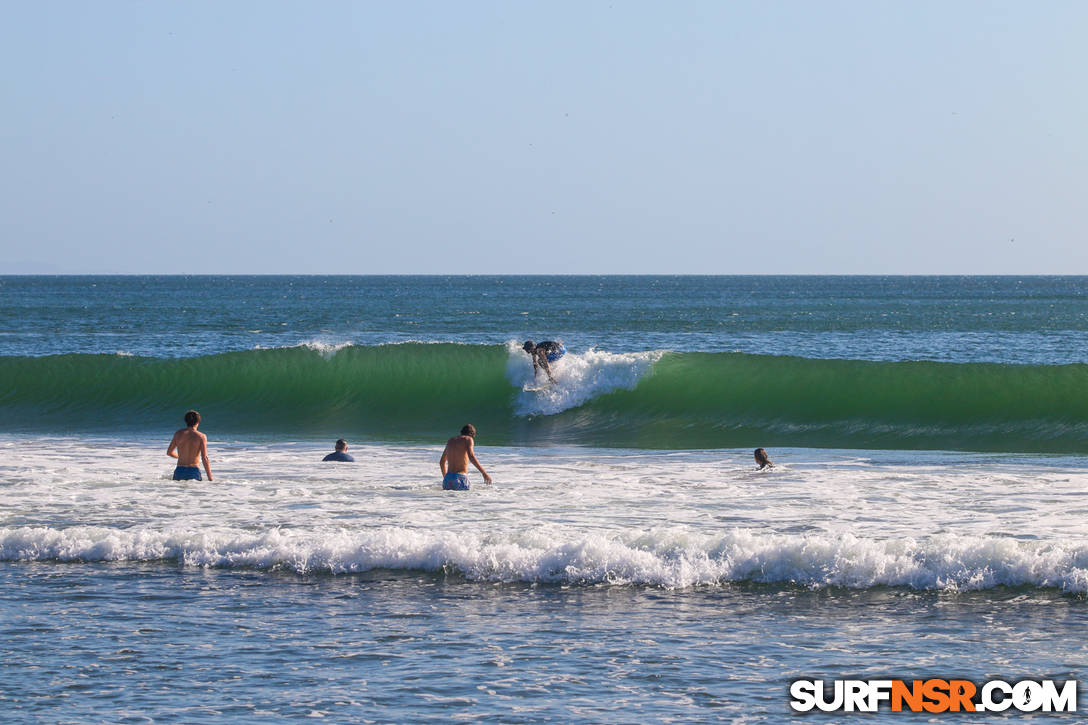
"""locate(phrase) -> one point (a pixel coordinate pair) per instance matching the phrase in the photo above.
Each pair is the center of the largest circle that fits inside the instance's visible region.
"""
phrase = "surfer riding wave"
(543, 354)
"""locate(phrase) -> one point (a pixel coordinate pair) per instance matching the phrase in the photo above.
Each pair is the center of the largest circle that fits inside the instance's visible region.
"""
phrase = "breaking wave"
(665, 558)
(652, 399)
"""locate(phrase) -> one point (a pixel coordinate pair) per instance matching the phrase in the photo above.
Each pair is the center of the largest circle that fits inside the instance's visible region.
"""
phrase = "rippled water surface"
(158, 643)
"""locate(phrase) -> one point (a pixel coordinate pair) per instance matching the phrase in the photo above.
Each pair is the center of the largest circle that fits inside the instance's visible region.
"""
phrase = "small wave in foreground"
(665, 558)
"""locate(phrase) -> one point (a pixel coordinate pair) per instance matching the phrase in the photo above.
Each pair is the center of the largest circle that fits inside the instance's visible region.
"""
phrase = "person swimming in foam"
(341, 453)
(544, 353)
(762, 459)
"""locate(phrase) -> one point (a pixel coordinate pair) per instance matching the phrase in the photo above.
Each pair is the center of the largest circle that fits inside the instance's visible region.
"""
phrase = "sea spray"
(579, 378)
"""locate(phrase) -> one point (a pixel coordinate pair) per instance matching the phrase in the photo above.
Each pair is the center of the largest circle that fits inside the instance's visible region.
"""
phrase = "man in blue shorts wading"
(190, 446)
(455, 459)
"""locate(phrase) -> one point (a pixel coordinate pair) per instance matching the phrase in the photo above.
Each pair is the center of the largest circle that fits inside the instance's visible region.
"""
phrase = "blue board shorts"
(455, 482)
(187, 473)
(553, 356)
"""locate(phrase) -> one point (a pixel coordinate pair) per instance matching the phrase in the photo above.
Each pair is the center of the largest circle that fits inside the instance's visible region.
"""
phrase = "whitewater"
(560, 515)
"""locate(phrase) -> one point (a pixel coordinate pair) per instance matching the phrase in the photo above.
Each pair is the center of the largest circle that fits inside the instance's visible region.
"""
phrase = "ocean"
(925, 516)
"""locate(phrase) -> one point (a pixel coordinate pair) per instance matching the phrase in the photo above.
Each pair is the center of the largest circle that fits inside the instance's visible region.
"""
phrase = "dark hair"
(761, 457)
(192, 418)
(529, 346)
(469, 430)
(341, 444)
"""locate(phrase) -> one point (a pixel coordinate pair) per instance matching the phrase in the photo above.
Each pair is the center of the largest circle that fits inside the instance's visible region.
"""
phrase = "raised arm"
(475, 462)
(204, 457)
(172, 449)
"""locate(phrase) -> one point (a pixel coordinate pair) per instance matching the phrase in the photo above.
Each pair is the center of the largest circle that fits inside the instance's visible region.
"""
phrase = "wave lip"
(667, 558)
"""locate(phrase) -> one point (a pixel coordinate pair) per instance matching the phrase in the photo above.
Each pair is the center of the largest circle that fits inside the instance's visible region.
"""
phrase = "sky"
(556, 137)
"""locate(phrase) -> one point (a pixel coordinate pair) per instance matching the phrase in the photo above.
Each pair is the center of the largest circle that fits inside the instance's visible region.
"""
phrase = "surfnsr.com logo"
(934, 695)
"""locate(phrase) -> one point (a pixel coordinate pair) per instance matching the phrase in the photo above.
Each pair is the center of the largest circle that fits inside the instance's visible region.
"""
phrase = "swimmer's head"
(341, 444)
(469, 430)
(761, 457)
(192, 418)
(529, 346)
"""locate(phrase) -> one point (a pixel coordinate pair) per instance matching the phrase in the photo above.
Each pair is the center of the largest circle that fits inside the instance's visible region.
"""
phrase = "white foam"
(666, 558)
(327, 350)
(927, 520)
(579, 377)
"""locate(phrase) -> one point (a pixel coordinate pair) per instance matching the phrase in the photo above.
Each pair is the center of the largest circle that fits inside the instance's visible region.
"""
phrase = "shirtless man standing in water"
(454, 462)
(187, 445)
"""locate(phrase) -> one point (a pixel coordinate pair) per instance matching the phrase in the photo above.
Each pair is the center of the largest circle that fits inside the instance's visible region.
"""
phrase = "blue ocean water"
(126, 643)
(925, 516)
(1033, 320)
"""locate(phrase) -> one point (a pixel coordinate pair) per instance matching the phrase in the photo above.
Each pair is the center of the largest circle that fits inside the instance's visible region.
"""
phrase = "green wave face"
(425, 392)
(390, 392)
(711, 400)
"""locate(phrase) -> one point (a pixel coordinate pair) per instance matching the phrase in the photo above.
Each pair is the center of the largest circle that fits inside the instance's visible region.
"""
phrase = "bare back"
(190, 444)
(458, 450)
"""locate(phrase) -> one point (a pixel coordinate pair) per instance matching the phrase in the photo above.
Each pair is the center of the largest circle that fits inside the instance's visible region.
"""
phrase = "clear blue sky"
(544, 137)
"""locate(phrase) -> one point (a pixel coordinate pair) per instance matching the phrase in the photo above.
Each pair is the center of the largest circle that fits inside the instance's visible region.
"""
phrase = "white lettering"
(1064, 701)
(836, 701)
(988, 702)
(1027, 695)
(855, 698)
(993, 696)
(879, 690)
(803, 693)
